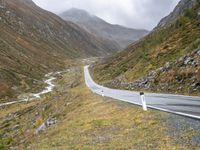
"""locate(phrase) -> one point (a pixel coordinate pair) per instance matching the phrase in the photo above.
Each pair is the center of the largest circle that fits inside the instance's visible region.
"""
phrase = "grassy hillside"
(34, 42)
(164, 45)
(86, 121)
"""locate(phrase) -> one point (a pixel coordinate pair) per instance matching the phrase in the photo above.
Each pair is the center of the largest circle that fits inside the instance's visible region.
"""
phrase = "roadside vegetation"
(84, 121)
(162, 46)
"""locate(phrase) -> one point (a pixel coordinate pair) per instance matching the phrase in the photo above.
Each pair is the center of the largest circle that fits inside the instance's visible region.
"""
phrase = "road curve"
(188, 106)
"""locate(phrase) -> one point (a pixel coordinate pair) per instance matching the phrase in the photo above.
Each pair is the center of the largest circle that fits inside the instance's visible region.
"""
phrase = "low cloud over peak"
(131, 13)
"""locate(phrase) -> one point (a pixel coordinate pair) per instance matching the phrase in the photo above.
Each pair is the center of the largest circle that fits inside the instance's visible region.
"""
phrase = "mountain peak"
(73, 9)
(80, 14)
(121, 36)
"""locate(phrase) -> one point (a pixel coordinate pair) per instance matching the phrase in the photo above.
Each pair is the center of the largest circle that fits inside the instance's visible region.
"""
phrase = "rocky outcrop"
(48, 123)
(178, 11)
(181, 76)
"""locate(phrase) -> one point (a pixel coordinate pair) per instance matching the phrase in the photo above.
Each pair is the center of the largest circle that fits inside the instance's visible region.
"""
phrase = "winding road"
(188, 106)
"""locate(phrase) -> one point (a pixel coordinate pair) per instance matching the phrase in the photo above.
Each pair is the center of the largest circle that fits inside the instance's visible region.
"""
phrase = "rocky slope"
(181, 76)
(34, 42)
(166, 61)
(117, 35)
(180, 10)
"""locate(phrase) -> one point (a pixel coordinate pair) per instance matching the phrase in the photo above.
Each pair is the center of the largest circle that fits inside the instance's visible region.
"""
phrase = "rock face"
(178, 11)
(117, 35)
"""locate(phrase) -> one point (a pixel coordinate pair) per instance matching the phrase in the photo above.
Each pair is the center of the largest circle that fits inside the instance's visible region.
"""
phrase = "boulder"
(188, 60)
(198, 52)
(45, 125)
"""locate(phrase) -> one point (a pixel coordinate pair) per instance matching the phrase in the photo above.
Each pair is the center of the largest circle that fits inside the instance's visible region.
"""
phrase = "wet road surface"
(177, 104)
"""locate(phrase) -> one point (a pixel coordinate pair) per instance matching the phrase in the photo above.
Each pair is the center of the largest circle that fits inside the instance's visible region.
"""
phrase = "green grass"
(5, 143)
(101, 122)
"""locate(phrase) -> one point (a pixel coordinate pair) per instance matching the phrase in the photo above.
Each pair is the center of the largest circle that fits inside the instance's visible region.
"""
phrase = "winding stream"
(36, 96)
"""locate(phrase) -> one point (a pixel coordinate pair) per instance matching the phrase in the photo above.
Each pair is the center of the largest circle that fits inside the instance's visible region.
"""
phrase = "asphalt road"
(177, 104)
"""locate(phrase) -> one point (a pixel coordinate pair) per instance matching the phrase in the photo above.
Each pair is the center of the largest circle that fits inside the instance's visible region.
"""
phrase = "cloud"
(131, 13)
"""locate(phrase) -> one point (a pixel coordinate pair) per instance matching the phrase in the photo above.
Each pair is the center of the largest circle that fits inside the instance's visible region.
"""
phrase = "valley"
(49, 101)
(88, 121)
(34, 42)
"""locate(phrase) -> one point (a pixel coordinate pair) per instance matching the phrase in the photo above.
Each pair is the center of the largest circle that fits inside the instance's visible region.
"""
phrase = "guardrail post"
(102, 93)
(144, 105)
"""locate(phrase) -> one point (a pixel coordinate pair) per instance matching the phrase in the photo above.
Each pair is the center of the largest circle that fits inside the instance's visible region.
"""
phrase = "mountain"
(34, 42)
(166, 60)
(120, 36)
(180, 9)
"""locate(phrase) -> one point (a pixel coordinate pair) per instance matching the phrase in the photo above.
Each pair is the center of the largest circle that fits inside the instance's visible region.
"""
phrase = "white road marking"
(168, 102)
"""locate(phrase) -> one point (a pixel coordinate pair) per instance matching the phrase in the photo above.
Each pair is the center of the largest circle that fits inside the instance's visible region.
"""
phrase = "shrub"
(190, 14)
(39, 121)
(181, 21)
(5, 143)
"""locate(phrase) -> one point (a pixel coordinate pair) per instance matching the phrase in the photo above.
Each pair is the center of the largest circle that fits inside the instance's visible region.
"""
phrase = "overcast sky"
(131, 13)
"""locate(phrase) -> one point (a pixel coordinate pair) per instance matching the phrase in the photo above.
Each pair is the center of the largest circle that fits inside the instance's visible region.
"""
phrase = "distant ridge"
(119, 35)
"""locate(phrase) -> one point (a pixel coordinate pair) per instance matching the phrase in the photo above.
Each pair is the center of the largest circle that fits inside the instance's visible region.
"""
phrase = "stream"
(36, 96)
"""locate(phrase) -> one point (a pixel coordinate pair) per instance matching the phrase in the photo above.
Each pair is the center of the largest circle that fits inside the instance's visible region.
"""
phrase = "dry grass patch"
(103, 123)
